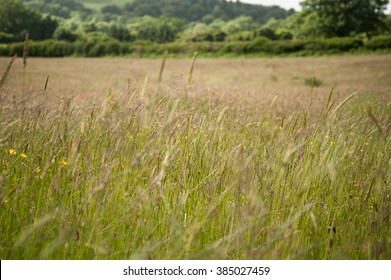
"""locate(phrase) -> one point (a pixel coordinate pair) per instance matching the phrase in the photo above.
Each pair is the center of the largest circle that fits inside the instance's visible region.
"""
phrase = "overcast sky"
(295, 4)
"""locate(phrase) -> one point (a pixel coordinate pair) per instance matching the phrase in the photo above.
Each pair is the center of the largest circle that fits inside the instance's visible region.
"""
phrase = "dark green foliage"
(120, 33)
(65, 35)
(59, 8)
(99, 45)
(111, 9)
(196, 10)
(335, 18)
(379, 43)
(266, 32)
(160, 30)
(16, 19)
(6, 38)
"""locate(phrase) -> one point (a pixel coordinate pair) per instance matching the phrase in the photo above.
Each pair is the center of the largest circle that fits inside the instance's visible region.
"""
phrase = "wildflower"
(6, 200)
(22, 155)
(37, 170)
(332, 143)
(12, 152)
(122, 166)
(64, 163)
(366, 143)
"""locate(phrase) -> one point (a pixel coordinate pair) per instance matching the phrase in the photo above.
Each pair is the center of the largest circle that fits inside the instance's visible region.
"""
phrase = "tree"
(16, 19)
(339, 18)
(160, 30)
(239, 24)
(111, 9)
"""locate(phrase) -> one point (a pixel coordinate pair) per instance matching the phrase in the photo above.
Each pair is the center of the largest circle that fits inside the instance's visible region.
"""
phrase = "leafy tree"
(64, 34)
(17, 19)
(120, 33)
(239, 24)
(111, 9)
(158, 30)
(152, 10)
(339, 18)
(59, 8)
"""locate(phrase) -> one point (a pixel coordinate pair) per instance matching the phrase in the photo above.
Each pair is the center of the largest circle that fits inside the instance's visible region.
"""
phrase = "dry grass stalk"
(192, 68)
(7, 70)
(25, 56)
(26, 50)
(46, 83)
(162, 66)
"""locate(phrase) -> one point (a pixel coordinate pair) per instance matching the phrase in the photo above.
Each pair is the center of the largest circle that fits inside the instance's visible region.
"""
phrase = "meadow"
(267, 158)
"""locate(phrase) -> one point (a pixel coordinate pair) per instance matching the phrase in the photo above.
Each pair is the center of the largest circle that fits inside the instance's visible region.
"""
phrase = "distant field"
(261, 79)
(97, 4)
(274, 158)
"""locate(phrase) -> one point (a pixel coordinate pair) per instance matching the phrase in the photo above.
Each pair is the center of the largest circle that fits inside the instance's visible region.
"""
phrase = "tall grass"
(25, 56)
(160, 176)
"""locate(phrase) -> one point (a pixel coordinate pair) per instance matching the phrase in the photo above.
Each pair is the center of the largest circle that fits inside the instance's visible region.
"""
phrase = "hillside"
(232, 27)
(187, 10)
(98, 4)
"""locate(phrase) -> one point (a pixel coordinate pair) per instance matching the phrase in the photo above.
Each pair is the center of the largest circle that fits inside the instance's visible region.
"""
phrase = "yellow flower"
(64, 163)
(23, 155)
(6, 200)
(12, 152)
(37, 170)
(332, 142)
(366, 143)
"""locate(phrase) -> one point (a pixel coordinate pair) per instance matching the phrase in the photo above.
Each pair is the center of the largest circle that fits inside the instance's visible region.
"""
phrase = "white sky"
(287, 4)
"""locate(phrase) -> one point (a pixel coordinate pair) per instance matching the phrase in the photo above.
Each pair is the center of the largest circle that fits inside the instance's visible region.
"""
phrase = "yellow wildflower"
(12, 152)
(332, 142)
(64, 163)
(6, 200)
(37, 170)
(22, 155)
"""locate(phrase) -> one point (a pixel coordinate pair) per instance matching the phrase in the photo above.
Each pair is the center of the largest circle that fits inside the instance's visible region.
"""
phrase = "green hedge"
(260, 45)
(379, 43)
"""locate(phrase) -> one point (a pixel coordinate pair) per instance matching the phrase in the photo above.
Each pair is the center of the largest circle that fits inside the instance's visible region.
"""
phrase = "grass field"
(242, 159)
(97, 4)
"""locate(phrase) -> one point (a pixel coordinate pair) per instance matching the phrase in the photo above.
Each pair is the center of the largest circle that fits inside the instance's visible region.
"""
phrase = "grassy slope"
(178, 173)
(97, 4)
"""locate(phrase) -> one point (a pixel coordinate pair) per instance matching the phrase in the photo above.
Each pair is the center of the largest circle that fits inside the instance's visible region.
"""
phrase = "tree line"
(191, 21)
